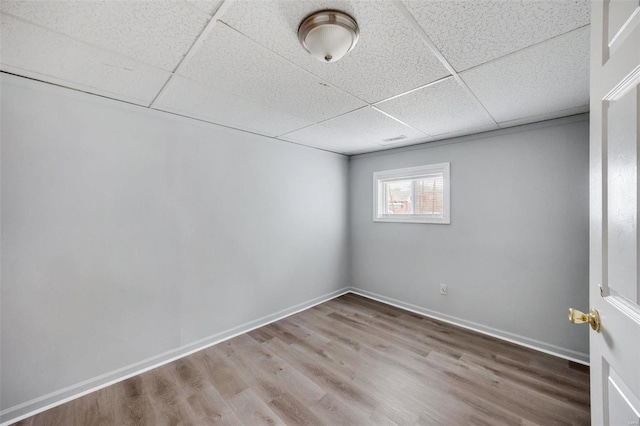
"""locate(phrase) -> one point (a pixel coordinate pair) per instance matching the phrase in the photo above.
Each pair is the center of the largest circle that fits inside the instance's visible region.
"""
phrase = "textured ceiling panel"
(319, 136)
(368, 124)
(364, 129)
(359, 130)
(158, 33)
(44, 55)
(441, 108)
(207, 6)
(231, 62)
(192, 99)
(552, 76)
(389, 59)
(472, 32)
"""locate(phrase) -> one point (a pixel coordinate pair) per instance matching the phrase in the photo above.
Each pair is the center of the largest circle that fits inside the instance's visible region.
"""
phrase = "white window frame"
(379, 178)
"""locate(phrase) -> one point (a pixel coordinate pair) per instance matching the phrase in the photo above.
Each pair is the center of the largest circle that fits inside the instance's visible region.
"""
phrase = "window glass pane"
(398, 196)
(413, 194)
(429, 197)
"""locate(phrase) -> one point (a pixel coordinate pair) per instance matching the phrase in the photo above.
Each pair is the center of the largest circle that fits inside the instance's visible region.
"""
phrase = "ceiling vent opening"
(395, 138)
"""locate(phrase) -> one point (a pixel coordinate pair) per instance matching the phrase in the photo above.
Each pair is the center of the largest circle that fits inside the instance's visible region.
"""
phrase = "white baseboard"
(53, 399)
(571, 355)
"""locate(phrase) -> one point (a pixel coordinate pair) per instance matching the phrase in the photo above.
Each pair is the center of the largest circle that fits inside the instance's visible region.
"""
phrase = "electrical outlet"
(443, 289)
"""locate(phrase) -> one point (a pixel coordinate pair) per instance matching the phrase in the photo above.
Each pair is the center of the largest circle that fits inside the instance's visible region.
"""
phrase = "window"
(416, 194)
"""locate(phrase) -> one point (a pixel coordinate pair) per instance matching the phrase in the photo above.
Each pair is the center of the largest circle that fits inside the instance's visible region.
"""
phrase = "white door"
(614, 238)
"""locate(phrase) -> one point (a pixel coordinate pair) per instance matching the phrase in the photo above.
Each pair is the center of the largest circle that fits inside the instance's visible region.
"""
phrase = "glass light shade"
(328, 35)
(329, 43)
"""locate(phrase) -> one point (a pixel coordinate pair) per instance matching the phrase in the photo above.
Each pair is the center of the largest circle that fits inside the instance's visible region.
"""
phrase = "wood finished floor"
(347, 361)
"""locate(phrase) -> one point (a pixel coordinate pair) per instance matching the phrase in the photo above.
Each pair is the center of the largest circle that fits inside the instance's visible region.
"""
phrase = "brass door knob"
(578, 317)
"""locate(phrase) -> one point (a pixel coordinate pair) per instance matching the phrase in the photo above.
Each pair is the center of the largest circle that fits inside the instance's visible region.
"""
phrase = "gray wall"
(127, 233)
(515, 256)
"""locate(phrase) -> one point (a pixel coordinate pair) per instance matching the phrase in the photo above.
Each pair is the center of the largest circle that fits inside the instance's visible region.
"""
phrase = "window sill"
(412, 220)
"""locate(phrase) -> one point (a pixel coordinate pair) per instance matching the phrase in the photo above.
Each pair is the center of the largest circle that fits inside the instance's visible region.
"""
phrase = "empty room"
(306, 212)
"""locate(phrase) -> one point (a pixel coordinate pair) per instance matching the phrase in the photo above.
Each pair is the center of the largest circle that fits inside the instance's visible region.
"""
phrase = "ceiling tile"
(368, 124)
(193, 99)
(229, 61)
(472, 32)
(389, 58)
(44, 55)
(158, 33)
(207, 6)
(548, 77)
(319, 136)
(440, 108)
(357, 130)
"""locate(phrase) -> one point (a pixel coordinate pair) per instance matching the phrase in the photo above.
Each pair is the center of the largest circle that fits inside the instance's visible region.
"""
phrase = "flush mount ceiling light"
(328, 34)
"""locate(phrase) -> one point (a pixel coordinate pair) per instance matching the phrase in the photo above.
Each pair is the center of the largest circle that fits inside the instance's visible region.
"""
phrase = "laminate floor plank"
(348, 361)
(276, 371)
(252, 410)
(433, 332)
(265, 387)
(210, 407)
(371, 305)
(570, 392)
(540, 408)
(438, 329)
(221, 374)
(335, 411)
(293, 411)
(391, 388)
(330, 380)
(485, 346)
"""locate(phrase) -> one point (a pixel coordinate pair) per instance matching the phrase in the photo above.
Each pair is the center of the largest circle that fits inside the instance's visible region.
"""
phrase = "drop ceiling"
(422, 70)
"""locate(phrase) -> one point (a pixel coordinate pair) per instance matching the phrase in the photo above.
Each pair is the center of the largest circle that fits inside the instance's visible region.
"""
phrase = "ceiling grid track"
(424, 86)
(194, 48)
(322, 121)
(401, 122)
(431, 45)
(524, 49)
(289, 61)
(368, 104)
